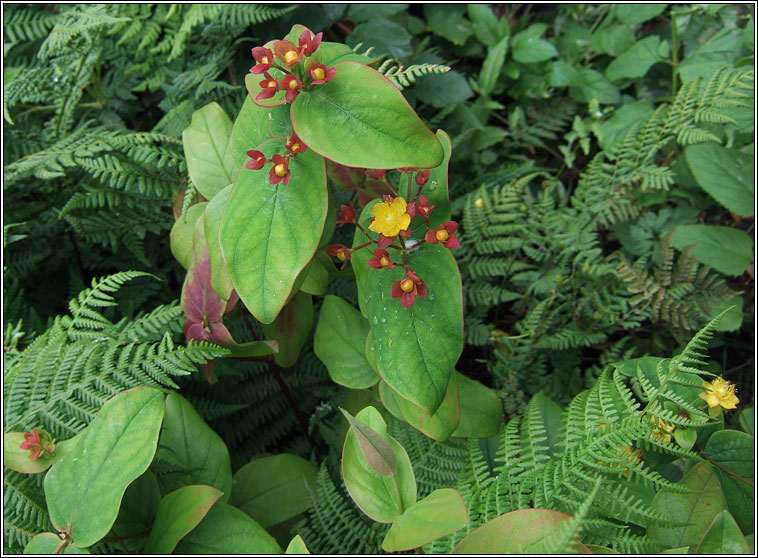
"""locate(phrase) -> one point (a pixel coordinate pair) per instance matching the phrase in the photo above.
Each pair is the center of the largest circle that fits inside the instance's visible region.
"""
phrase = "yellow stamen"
(384, 261)
(271, 83)
(341, 256)
(290, 56)
(319, 73)
(264, 60)
(295, 147)
(442, 235)
(407, 285)
(293, 84)
(279, 170)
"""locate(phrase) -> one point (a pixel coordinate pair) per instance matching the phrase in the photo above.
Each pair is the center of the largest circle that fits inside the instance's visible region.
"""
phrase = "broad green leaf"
(438, 426)
(736, 451)
(636, 61)
(726, 174)
(442, 90)
(597, 549)
(17, 459)
(340, 341)
(594, 85)
(417, 347)
(387, 37)
(380, 497)
(375, 449)
(723, 537)
(226, 530)
(492, 65)
(317, 279)
(297, 546)
(528, 48)
(481, 410)
(638, 13)
(183, 232)
(441, 513)
(726, 249)
(254, 348)
(255, 125)
(191, 452)
(694, 510)
(84, 489)
(291, 328)
(178, 513)
(366, 12)
(220, 280)
(269, 233)
(332, 53)
(48, 543)
(613, 40)
(210, 162)
(526, 531)
(275, 488)
(732, 320)
(613, 130)
(360, 119)
(138, 510)
(447, 21)
(747, 420)
(564, 75)
(486, 25)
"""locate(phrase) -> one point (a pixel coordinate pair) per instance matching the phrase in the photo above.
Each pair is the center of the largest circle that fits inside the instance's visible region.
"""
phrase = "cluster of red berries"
(391, 220)
(280, 171)
(296, 76)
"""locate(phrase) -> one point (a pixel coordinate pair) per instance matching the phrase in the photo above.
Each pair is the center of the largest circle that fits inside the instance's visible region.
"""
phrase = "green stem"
(674, 53)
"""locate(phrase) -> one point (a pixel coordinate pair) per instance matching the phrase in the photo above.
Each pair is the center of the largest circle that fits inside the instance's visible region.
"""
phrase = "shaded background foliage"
(568, 178)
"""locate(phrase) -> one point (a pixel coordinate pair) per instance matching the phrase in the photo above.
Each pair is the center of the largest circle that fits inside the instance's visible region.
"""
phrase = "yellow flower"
(662, 433)
(720, 394)
(390, 218)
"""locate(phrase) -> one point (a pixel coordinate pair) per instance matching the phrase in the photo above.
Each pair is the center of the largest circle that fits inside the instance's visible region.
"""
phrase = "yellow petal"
(405, 220)
(729, 402)
(712, 400)
(398, 206)
(375, 226)
(381, 209)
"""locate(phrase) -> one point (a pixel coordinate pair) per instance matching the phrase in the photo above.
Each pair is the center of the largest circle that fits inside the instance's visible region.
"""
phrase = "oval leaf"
(269, 233)
(220, 280)
(417, 347)
(340, 341)
(226, 530)
(441, 513)
(525, 531)
(183, 232)
(255, 125)
(360, 119)
(191, 451)
(138, 510)
(376, 450)
(17, 459)
(727, 250)
(49, 543)
(380, 497)
(275, 488)
(84, 489)
(723, 537)
(726, 174)
(291, 328)
(481, 410)
(179, 513)
(210, 163)
(297, 546)
(736, 451)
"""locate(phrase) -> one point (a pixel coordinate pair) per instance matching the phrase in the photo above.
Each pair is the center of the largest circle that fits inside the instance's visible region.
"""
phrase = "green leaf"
(694, 510)
(226, 530)
(438, 426)
(360, 119)
(340, 343)
(182, 234)
(387, 38)
(723, 537)
(614, 130)
(375, 449)
(594, 85)
(528, 48)
(485, 24)
(297, 546)
(192, 452)
(637, 13)
(636, 61)
(269, 233)
(255, 125)
(727, 250)
(178, 513)
(439, 514)
(138, 510)
(732, 320)
(442, 90)
(220, 280)
(481, 410)
(492, 65)
(366, 12)
(526, 531)
(210, 162)
(417, 347)
(84, 489)
(48, 543)
(380, 497)
(747, 420)
(317, 279)
(275, 488)
(726, 174)
(447, 21)
(17, 459)
(597, 549)
(736, 451)
(291, 328)
(613, 40)
(254, 348)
